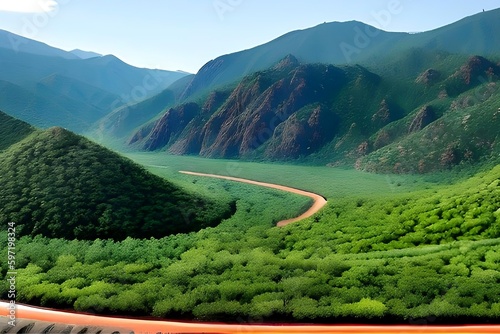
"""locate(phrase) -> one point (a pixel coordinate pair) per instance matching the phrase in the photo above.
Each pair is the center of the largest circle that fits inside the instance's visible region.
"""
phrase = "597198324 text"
(11, 274)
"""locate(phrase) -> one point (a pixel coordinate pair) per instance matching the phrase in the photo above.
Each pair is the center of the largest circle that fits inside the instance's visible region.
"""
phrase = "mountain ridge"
(348, 42)
(106, 78)
(346, 115)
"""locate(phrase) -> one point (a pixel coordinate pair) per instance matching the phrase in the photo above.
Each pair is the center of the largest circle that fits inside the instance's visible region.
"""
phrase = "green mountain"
(85, 54)
(350, 43)
(21, 44)
(85, 89)
(119, 123)
(340, 115)
(61, 185)
(12, 131)
(107, 73)
(56, 100)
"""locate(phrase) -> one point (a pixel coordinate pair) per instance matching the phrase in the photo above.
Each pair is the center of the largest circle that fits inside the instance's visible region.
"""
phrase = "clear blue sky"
(185, 34)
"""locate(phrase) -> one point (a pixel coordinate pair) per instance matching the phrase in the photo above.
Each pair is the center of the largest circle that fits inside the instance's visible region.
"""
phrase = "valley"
(318, 201)
(282, 184)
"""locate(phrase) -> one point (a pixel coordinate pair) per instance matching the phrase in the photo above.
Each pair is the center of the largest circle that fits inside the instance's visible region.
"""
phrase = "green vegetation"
(99, 233)
(58, 184)
(384, 253)
(12, 131)
(49, 87)
(417, 111)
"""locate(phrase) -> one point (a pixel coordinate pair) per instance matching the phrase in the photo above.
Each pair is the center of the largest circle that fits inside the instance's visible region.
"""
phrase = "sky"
(186, 34)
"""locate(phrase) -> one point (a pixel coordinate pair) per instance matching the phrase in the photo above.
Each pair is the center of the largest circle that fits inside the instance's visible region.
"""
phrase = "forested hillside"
(58, 184)
(12, 131)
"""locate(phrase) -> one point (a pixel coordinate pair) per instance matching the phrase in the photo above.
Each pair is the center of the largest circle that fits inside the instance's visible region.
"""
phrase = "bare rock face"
(476, 71)
(475, 68)
(429, 77)
(383, 115)
(424, 117)
(257, 107)
(170, 125)
(302, 133)
(287, 63)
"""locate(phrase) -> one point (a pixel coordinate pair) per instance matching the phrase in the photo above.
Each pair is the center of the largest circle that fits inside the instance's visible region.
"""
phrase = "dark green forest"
(12, 131)
(58, 184)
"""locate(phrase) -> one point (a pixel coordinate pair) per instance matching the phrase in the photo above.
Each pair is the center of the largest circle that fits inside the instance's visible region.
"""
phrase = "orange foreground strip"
(319, 201)
(150, 326)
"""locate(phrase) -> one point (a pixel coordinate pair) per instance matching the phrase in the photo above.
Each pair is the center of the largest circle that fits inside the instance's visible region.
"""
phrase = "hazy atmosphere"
(184, 35)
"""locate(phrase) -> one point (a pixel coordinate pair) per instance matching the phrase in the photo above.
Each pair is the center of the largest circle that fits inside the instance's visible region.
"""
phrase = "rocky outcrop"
(302, 133)
(169, 126)
(387, 113)
(424, 117)
(476, 68)
(429, 77)
(245, 126)
(476, 71)
(284, 112)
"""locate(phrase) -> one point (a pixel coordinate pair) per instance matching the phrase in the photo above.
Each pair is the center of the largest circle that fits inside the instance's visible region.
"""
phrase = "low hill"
(58, 184)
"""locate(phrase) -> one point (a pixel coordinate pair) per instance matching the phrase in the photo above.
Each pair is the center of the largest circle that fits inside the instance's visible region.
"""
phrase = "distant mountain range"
(85, 54)
(417, 103)
(338, 93)
(350, 43)
(70, 89)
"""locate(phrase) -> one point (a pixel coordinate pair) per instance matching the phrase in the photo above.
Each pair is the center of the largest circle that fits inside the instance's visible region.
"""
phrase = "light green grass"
(329, 182)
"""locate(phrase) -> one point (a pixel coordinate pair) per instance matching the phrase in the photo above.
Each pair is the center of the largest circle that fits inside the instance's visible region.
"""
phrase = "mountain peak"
(85, 54)
(287, 62)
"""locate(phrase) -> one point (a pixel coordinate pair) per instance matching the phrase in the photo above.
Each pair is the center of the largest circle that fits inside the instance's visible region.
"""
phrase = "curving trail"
(319, 201)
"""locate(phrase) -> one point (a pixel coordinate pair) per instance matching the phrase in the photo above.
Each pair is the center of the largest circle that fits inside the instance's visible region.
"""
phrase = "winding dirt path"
(319, 201)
